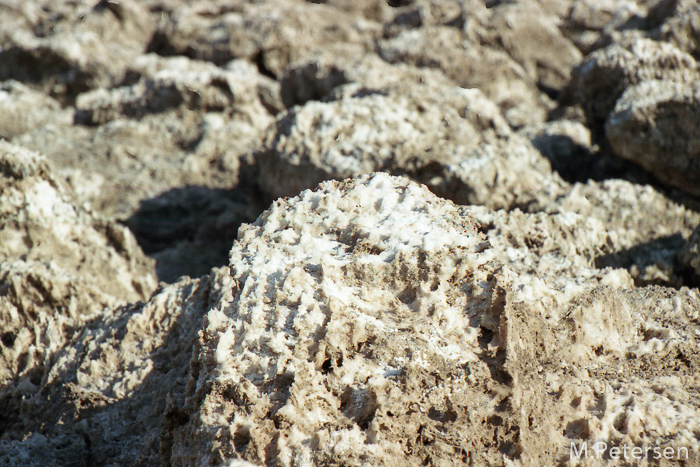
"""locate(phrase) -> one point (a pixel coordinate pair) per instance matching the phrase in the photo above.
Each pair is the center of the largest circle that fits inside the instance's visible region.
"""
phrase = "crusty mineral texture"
(657, 125)
(471, 65)
(454, 140)
(354, 233)
(164, 140)
(373, 323)
(15, 99)
(167, 83)
(590, 24)
(272, 33)
(103, 400)
(531, 37)
(647, 246)
(317, 75)
(599, 81)
(680, 26)
(66, 48)
(59, 267)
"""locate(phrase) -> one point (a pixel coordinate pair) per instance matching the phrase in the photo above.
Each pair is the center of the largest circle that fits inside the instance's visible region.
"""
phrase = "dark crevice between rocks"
(661, 254)
(259, 61)
(44, 68)
(399, 3)
(160, 45)
(190, 230)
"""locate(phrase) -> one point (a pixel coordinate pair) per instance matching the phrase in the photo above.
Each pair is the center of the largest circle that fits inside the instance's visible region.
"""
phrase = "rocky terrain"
(349, 233)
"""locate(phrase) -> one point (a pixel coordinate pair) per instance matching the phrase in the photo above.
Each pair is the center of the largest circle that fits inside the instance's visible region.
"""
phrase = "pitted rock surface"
(371, 322)
(60, 266)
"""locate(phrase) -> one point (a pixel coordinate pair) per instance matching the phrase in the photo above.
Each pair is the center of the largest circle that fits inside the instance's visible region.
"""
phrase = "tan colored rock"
(89, 47)
(273, 34)
(454, 140)
(315, 77)
(375, 10)
(469, 15)
(472, 65)
(372, 322)
(680, 26)
(592, 24)
(602, 77)
(656, 124)
(182, 122)
(169, 83)
(506, 173)
(531, 36)
(59, 267)
(138, 171)
(23, 109)
(648, 230)
(111, 392)
(172, 145)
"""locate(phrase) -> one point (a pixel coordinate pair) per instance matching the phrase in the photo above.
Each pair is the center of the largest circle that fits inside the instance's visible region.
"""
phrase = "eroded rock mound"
(268, 33)
(70, 47)
(105, 395)
(471, 65)
(373, 323)
(454, 140)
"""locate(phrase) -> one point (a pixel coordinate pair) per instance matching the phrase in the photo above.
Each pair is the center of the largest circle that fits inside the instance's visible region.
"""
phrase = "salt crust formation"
(175, 109)
(66, 48)
(372, 323)
(156, 113)
(59, 267)
(103, 400)
(160, 146)
(454, 139)
(268, 32)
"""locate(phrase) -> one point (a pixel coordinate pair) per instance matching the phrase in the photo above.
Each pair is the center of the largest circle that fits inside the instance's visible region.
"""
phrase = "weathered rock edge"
(373, 324)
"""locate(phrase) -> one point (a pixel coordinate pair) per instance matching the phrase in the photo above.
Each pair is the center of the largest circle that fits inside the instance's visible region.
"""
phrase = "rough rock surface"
(592, 24)
(267, 32)
(599, 81)
(163, 141)
(316, 76)
(557, 305)
(373, 324)
(104, 398)
(647, 247)
(452, 139)
(680, 26)
(471, 65)
(72, 47)
(691, 252)
(657, 125)
(177, 110)
(15, 99)
(59, 267)
(531, 36)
